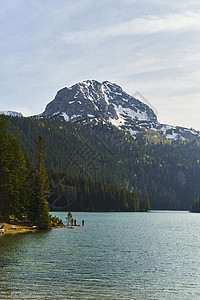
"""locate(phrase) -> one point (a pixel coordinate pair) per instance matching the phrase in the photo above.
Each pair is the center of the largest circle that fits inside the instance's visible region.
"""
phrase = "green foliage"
(55, 221)
(12, 173)
(14, 219)
(69, 218)
(24, 189)
(38, 212)
(167, 171)
(196, 205)
(82, 194)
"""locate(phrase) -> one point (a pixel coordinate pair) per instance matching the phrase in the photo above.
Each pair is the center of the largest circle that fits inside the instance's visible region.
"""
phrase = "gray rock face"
(94, 99)
(109, 103)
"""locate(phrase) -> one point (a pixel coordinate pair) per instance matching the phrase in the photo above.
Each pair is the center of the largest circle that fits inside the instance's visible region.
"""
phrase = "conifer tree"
(12, 170)
(38, 207)
(4, 170)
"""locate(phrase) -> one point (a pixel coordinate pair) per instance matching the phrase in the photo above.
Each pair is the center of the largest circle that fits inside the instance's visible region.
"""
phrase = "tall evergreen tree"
(12, 173)
(38, 207)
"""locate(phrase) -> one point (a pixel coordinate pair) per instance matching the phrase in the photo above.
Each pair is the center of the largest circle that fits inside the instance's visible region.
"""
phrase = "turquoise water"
(114, 256)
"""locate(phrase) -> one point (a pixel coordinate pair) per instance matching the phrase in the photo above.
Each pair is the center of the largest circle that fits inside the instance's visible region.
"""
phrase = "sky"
(148, 47)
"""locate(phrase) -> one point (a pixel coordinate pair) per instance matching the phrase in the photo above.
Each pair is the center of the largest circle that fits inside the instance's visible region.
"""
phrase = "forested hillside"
(167, 171)
(24, 185)
(78, 193)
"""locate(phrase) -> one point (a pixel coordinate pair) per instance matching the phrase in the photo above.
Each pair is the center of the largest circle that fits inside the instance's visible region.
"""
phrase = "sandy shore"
(13, 229)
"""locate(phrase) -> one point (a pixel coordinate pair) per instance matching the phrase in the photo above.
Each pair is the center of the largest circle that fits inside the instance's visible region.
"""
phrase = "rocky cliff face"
(109, 103)
(94, 99)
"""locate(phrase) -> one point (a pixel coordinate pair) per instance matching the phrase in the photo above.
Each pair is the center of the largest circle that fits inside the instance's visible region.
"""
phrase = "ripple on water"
(115, 256)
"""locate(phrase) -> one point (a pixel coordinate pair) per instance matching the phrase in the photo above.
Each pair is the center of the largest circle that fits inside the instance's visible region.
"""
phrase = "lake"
(151, 255)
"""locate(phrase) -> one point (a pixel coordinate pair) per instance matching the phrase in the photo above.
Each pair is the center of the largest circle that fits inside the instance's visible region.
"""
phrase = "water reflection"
(115, 256)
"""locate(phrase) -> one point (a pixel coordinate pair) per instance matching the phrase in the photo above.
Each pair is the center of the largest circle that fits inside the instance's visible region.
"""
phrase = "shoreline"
(10, 229)
(15, 229)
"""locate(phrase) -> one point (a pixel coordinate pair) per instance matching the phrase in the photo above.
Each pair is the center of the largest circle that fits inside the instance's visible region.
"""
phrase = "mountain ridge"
(109, 103)
(11, 113)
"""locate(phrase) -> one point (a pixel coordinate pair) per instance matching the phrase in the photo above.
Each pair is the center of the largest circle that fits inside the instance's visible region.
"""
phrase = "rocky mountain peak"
(108, 102)
(91, 98)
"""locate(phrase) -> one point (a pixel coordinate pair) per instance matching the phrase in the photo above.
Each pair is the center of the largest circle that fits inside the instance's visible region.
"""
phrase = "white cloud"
(148, 45)
(140, 26)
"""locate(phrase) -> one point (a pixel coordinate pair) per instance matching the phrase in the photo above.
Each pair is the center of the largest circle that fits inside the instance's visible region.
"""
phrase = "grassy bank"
(11, 226)
(14, 229)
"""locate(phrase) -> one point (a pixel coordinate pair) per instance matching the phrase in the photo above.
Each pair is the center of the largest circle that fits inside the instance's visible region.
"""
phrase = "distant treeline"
(73, 192)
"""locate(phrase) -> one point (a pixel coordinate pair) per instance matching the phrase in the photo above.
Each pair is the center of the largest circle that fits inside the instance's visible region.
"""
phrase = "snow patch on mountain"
(11, 113)
(107, 102)
(128, 112)
(65, 116)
